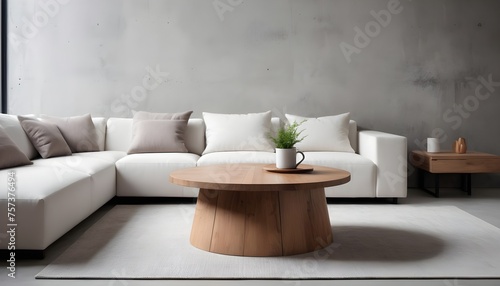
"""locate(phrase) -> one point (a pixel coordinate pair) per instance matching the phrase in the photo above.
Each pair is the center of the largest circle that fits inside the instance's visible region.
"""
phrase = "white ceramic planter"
(287, 158)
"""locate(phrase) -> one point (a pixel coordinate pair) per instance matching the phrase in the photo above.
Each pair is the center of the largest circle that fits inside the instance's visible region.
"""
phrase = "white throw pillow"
(238, 132)
(328, 133)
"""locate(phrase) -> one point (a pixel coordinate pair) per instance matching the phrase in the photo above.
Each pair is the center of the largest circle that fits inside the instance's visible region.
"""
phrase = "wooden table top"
(449, 155)
(252, 177)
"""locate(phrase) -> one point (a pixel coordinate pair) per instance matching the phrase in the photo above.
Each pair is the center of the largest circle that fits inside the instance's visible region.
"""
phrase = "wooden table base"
(258, 223)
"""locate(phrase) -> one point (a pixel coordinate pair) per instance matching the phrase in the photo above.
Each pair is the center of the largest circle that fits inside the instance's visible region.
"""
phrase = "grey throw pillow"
(46, 137)
(159, 132)
(159, 136)
(78, 131)
(11, 155)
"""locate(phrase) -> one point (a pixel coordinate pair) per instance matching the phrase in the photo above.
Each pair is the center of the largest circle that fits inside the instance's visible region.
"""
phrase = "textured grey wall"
(415, 68)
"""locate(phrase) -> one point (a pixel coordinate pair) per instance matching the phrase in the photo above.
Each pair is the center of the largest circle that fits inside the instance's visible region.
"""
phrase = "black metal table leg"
(421, 178)
(421, 183)
(468, 183)
(436, 185)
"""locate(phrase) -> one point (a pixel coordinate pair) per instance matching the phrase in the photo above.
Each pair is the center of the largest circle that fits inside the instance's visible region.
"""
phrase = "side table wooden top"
(450, 162)
(252, 177)
(455, 156)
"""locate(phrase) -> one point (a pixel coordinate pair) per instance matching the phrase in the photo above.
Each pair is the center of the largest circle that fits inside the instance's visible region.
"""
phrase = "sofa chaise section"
(55, 194)
(48, 204)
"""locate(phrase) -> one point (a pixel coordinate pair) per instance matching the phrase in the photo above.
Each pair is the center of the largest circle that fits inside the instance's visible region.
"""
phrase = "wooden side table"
(453, 163)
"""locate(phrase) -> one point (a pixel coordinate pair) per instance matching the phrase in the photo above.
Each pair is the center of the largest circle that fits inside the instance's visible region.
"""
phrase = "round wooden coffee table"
(245, 210)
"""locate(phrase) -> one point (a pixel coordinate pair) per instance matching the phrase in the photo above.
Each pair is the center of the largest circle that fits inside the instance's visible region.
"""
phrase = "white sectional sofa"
(53, 195)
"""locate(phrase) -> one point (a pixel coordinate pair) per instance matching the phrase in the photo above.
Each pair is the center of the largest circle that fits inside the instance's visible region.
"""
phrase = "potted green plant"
(286, 152)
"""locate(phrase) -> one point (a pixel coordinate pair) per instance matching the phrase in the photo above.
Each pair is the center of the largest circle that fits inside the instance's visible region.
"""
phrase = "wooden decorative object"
(460, 146)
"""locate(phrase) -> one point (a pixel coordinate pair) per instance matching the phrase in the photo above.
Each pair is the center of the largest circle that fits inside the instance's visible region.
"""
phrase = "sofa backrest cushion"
(13, 129)
(276, 124)
(119, 135)
(100, 128)
(195, 136)
(353, 135)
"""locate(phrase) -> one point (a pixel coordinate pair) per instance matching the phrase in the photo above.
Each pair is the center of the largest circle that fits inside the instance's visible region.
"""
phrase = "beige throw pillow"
(11, 155)
(46, 137)
(143, 115)
(159, 136)
(78, 131)
(159, 132)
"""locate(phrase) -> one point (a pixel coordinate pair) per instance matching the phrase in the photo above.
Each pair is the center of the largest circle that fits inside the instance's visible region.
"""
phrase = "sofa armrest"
(388, 152)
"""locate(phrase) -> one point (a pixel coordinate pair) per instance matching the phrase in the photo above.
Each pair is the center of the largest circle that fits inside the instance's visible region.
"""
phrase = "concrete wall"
(415, 68)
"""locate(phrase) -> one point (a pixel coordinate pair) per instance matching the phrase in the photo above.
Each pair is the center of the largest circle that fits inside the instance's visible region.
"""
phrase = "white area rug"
(370, 241)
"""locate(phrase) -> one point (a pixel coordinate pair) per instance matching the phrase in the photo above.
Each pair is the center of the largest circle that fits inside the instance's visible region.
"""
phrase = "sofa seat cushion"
(147, 175)
(363, 172)
(101, 171)
(110, 156)
(48, 204)
(236, 157)
(86, 164)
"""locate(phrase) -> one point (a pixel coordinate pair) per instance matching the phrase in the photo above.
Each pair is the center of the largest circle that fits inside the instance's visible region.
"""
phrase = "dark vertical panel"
(4, 56)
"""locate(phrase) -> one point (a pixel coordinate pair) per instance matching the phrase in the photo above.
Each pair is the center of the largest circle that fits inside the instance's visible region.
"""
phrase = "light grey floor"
(484, 203)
